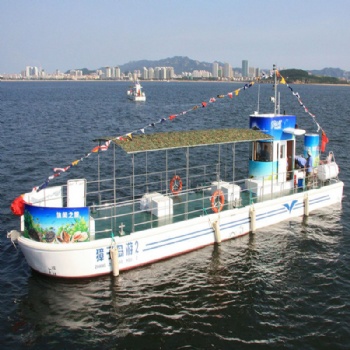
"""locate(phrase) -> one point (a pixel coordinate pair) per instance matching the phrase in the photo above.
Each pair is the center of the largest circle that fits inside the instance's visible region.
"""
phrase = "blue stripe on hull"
(294, 205)
(175, 240)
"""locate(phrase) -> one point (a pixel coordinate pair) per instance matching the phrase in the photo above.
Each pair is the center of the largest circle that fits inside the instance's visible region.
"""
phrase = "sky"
(73, 34)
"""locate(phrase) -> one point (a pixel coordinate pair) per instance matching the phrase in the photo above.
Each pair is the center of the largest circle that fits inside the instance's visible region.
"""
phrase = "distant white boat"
(135, 93)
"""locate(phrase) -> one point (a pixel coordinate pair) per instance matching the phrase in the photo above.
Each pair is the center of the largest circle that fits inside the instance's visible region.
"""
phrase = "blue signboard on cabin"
(273, 124)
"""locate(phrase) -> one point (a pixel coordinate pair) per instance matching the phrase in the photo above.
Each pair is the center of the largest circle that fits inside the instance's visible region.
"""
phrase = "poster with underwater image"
(56, 225)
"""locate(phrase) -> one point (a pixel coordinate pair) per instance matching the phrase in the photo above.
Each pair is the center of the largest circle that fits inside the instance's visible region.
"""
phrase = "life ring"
(176, 184)
(214, 203)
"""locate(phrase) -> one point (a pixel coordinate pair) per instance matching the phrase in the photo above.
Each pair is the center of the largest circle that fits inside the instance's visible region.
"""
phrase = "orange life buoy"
(214, 203)
(176, 184)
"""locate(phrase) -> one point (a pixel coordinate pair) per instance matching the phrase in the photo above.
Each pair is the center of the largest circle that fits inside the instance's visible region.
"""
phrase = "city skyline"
(156, 70)
(215, 66)
(225, 69)
(217, 71)
(66, 35)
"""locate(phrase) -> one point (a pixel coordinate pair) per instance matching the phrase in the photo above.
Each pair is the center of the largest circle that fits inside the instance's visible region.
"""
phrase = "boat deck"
(132, 216)
(129, 217)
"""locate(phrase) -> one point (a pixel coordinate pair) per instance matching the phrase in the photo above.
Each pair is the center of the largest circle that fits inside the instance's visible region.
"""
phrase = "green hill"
(302, 76)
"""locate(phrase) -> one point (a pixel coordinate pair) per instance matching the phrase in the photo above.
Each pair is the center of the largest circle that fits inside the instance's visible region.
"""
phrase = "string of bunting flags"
(128, 136)
(324, 138)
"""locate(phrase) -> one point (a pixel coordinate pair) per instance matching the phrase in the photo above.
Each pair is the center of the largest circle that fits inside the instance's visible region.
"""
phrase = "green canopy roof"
(180, 139)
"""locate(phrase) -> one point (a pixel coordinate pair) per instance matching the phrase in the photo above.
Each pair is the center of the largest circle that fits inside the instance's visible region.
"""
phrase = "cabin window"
(262, 151)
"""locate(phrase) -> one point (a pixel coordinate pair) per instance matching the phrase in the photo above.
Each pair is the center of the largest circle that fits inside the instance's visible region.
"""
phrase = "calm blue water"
(287, 286)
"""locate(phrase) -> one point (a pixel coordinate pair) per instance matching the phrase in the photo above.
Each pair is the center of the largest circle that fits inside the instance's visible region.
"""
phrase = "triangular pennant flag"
(105, 146)
(61, 170)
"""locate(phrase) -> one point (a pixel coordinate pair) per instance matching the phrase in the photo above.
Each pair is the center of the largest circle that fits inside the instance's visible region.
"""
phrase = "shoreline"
(152, 81)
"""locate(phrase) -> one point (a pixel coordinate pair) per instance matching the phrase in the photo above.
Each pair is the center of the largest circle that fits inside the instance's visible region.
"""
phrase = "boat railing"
(129, 216)
(296, 180)
(125, 188)
(116, 205)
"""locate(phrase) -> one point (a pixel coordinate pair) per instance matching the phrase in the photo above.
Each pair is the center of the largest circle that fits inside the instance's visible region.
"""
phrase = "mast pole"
(275, 73)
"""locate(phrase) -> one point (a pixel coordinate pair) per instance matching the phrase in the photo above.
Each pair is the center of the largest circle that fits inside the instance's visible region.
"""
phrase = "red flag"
(324, 141)
(17, 206)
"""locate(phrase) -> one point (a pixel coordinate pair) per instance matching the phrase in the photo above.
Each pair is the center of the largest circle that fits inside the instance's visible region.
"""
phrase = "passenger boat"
(135, 93)
(156, 209)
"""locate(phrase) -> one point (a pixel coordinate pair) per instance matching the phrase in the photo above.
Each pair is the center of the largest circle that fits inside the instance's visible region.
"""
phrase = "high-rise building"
(156, 73)
(145, 73)
(170, 72)
(117, 72)
(245, 68)
(215, 70)
(108, 72)
(150, 73)
(257, 72)
(162, 72)
(227, 71)
(31, 72)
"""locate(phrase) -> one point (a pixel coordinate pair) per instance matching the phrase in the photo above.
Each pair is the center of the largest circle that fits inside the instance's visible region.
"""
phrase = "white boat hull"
(137, 98)
(78, 260)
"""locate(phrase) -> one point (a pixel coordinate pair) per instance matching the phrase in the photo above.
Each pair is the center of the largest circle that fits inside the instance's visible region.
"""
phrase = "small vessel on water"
(156, 209)
(135, 93)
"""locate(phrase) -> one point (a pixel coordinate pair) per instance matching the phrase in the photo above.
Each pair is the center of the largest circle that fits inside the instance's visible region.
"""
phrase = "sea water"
(285, 286)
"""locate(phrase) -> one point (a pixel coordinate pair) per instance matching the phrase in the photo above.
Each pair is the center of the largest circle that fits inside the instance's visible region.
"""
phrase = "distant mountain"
(85, 71)
(329, 72)
(179, 63)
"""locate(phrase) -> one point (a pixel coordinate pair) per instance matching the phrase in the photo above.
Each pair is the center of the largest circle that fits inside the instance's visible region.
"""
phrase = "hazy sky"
(69, 34)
